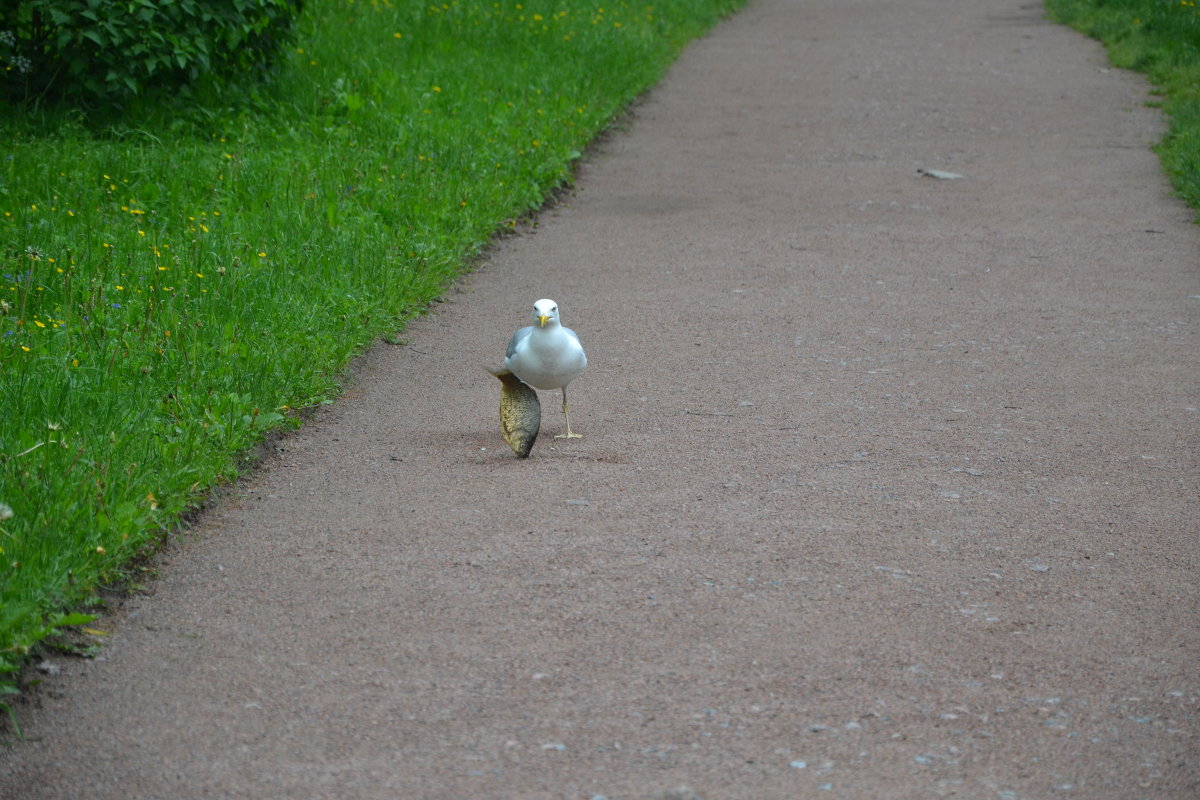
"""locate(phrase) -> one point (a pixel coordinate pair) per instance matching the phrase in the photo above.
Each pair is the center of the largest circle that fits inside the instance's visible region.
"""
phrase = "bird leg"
(568, 434)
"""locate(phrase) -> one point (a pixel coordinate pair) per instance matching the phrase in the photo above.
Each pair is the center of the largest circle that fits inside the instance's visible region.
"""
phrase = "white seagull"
(546, 355)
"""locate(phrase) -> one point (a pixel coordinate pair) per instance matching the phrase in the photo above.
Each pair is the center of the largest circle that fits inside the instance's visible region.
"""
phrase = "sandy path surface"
(889, 485)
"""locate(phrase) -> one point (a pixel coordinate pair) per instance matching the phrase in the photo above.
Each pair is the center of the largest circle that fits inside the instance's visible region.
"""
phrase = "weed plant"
(1162, 39)
(179, 276)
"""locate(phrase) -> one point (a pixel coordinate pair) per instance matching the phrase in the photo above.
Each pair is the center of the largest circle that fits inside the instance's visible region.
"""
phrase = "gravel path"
(889, 485)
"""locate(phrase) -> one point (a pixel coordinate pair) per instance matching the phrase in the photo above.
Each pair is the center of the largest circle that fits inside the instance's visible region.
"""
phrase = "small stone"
(799, 764)
(679, 793)
(1040, 568)
(48, 668)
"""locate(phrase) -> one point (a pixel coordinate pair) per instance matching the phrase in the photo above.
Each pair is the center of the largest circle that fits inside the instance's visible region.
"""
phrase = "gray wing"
(517, 338)
(572, 334)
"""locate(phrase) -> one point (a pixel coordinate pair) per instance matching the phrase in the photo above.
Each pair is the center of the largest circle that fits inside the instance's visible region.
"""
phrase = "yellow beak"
(543, 319)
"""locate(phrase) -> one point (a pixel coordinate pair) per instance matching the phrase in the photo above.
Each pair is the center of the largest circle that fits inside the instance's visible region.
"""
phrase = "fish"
(520, 412)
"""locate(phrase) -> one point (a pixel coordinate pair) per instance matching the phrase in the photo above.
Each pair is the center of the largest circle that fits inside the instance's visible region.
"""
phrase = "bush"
(100, 51)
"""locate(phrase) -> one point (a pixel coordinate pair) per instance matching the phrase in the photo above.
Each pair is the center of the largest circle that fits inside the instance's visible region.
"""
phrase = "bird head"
(545, 312)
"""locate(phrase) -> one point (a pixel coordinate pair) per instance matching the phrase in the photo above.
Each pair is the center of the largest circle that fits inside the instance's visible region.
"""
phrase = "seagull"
(546, 355)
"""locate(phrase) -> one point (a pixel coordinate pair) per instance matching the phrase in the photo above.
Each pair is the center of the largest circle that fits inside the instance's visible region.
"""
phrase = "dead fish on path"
(520, 412)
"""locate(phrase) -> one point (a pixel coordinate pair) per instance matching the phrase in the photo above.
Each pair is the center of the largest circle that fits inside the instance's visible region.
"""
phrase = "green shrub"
(101, 51)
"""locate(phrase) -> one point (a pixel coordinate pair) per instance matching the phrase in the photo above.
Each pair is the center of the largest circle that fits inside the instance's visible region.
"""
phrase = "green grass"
(180, 277)
(1160, 38)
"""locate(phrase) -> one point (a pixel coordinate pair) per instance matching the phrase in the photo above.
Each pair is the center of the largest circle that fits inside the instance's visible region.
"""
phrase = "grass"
(1160, 38)
(179, 277)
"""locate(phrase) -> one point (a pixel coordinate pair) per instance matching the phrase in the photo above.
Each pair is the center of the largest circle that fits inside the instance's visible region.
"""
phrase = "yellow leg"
(569, 434)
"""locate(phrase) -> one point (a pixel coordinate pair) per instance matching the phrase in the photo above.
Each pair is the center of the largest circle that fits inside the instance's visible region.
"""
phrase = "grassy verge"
(180, 279)
(1160, 38)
